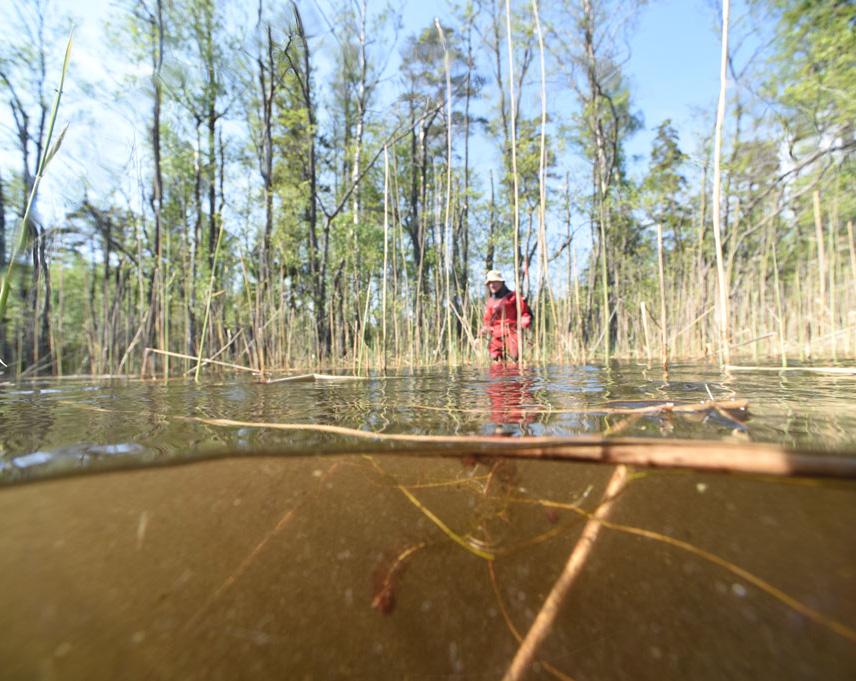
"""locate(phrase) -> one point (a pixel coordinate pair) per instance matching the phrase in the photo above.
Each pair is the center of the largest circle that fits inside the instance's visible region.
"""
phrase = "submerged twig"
(510, 624)
(623, 424)
(819, 618)
(576, 561)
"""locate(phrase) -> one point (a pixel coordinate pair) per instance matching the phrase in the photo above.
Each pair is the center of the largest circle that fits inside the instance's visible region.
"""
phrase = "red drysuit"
(510, 394)
(500, 318)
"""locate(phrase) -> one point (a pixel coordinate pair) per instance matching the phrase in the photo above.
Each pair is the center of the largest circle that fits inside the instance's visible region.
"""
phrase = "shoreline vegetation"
(284, 220)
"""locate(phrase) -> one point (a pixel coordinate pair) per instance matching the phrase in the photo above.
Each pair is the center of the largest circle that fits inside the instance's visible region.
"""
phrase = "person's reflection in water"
(509, 392)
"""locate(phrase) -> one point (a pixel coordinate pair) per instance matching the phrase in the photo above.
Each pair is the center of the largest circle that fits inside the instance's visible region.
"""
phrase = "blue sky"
(674, 68)
(673, 71)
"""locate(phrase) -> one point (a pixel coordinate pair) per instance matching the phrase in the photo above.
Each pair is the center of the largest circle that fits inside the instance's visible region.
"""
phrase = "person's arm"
(525, 314)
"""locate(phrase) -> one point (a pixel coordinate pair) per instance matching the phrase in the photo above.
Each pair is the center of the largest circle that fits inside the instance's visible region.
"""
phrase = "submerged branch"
(507, 617)
(543, 623)
(819, 618)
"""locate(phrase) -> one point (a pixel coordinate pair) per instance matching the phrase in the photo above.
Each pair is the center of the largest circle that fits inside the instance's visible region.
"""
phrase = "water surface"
(61, 426)
(315, 563)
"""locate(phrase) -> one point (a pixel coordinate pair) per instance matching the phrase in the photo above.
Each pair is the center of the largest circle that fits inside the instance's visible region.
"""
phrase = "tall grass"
(49, 151)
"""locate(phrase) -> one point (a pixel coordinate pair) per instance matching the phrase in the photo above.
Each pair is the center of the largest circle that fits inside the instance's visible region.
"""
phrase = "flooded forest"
(331, 193)
(271, 409)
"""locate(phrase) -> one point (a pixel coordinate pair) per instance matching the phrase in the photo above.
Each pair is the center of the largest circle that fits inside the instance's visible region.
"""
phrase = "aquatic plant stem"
(207, 305)
(662, 279)
(451, 534)
(543, 623)
(48, 153)
(819, 618)
(763, 585)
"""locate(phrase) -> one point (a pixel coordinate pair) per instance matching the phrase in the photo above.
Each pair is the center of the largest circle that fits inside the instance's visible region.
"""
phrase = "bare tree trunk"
(821, 258)
(29, 352)
(318, 252)
(491, 228)
(4, 353)
(447, 225)
(520, 349)
(195, 240)
(851, 247)
(385, 251)
(362, 95)
(722, 299)
(465, 208)
(602, 171)
(267, 90)
(156, 198)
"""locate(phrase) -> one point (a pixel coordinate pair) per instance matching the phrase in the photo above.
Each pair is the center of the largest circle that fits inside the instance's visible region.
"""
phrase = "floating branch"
(315, 377)
(647, 408)
(845, 371)
(196, 359)
(700, 455)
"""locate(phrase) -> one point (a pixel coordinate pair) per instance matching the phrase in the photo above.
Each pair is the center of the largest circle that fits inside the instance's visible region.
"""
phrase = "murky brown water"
(318, 564)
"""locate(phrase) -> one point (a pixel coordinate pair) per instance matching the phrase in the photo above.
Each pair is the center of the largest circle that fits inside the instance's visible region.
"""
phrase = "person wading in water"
(500, 318)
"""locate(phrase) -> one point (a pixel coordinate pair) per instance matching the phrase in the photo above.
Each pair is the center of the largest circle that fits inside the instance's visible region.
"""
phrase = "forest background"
(311, 184)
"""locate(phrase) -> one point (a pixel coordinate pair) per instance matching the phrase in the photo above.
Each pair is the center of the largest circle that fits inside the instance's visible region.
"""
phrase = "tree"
(602, 126)
(816, 77)
(665, 183)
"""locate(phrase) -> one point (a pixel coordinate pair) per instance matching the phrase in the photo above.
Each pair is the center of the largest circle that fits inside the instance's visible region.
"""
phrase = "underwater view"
(241, 530)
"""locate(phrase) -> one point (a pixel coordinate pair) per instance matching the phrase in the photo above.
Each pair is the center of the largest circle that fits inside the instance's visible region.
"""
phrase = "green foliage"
(816, 75)
(297, 244)
(663, 187)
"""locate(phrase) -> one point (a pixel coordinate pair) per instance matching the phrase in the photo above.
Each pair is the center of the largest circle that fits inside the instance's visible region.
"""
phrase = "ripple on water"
(51, 426)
